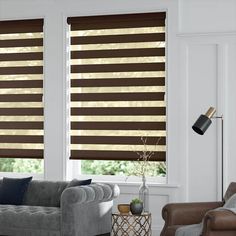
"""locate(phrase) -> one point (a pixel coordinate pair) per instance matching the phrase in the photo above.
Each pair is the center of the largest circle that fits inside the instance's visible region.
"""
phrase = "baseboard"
(156, 230)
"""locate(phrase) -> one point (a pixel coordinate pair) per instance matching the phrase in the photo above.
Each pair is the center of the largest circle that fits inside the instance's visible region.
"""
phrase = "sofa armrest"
(86, 210)
(88, 193)
(187, 213)
(219, 220)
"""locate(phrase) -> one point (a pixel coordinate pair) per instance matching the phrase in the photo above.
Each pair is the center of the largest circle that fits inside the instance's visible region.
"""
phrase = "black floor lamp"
(201, 125)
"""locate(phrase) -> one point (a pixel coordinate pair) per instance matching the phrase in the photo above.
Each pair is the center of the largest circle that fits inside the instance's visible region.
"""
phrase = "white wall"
(201, 72)
(207, 35)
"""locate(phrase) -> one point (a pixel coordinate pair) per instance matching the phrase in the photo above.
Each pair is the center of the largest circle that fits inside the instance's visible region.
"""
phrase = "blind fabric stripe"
(21, 56)
(118, 38)
(117, 96)
(21, 139)
(117, 125)
(21, 95)
(118, 111)
(21, 84)
(117, 21)
(21, 43)
(112, 155)
(21, 70)
(21, 111)
(21, 125)
(118, 82)
(117, 53)
(113, 140)
(107, 25)
(22, 153)
(21, 26)
(117, 67)
(123, 54)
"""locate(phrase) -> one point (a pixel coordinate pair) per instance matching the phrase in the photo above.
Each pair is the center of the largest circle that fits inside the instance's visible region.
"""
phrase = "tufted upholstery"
(94, 192)
(32, 217)
(51, 209)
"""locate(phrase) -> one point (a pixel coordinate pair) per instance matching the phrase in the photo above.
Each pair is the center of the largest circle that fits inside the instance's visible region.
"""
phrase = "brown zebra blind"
(117, 86)
(21, 89)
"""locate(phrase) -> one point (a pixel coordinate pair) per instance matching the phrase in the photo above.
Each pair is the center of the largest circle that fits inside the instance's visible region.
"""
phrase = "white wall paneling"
(201, 76)
(206, 71)
(230, 111)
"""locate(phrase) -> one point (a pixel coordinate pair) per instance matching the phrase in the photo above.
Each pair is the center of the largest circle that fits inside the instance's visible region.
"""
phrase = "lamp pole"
(222, 154)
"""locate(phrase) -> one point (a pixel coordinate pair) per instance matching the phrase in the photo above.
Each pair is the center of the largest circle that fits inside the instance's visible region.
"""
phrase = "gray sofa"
(52, 209)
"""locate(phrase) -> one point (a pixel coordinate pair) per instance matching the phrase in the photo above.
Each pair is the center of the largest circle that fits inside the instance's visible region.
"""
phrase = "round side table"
(131, 225)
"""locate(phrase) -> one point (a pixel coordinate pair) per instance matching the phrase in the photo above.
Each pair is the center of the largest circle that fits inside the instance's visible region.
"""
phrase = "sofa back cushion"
(12, 190)
(44, 193)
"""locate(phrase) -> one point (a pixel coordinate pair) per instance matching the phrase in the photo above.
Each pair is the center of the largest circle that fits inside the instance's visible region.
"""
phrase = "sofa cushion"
(30, 217)
(12, 190)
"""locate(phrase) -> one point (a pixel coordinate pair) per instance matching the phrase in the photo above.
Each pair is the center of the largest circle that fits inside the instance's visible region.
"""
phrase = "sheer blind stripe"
(117, 72)
(21, 89)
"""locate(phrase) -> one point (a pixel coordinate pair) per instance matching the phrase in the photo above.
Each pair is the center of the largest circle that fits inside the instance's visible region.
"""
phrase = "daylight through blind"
(21, 89)
(117, 86)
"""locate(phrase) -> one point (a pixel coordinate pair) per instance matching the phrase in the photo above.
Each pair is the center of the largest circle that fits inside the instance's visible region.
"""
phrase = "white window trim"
(121, 179)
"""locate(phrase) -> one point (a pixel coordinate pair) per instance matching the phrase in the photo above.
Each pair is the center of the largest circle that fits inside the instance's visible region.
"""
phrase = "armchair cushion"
(195, 229)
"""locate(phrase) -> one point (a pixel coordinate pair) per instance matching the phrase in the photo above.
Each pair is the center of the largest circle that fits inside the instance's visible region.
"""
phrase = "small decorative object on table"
(142, 169)
(123, 208)
(136, 206)
(144, 194)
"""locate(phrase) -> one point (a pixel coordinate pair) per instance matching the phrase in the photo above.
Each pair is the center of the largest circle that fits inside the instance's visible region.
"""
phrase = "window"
(21, 93)
(117, 87)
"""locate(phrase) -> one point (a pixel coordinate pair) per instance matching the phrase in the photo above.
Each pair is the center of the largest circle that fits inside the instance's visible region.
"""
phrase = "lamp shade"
(201, 124)
(204, 121)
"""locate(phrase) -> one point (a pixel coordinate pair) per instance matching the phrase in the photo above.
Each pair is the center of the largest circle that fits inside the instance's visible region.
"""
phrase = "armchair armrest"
(187, 213)
(86, 210)
(219, 220)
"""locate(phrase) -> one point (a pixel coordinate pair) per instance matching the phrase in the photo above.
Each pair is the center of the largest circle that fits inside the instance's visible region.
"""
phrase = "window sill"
(123, 180)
